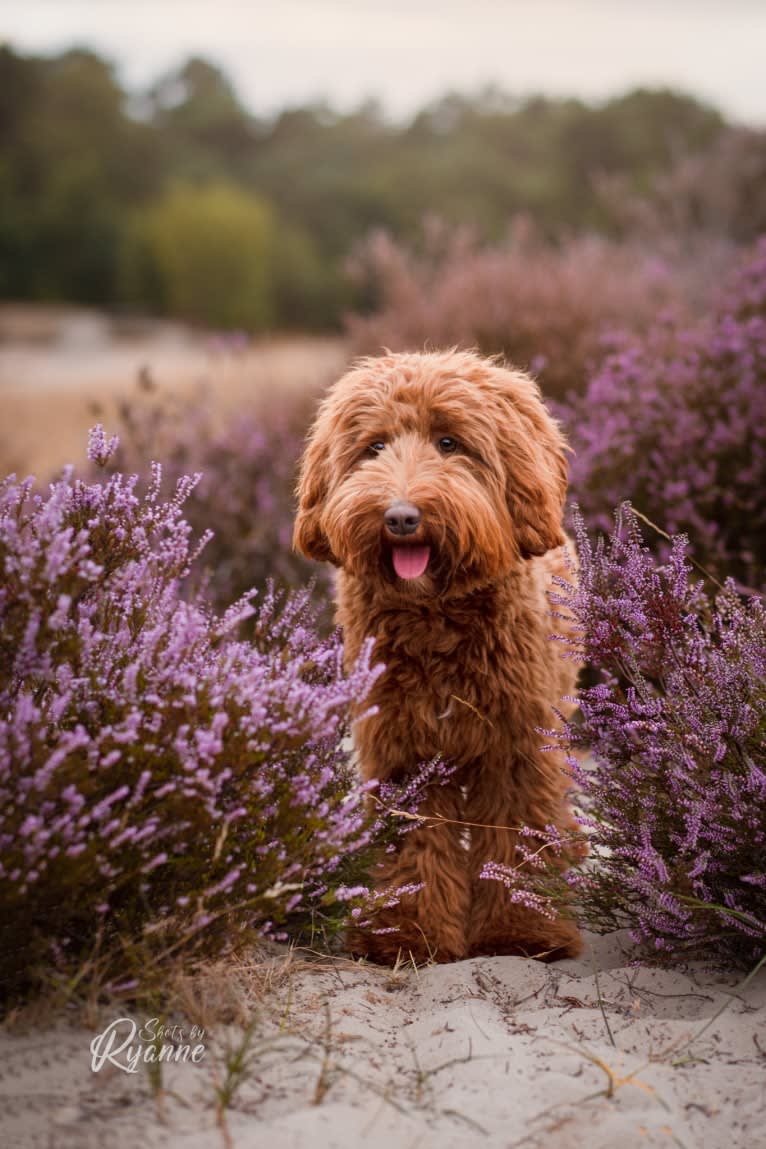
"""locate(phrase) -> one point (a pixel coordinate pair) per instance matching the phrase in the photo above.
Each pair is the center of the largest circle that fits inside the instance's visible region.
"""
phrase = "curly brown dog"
(436, 483)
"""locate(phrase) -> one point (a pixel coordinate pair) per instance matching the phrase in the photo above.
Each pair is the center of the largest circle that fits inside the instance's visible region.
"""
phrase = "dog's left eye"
(447, 445)
(376, 447)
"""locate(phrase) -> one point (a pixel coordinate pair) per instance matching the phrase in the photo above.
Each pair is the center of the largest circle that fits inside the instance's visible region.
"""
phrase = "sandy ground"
(488, 1052)
(62, 370)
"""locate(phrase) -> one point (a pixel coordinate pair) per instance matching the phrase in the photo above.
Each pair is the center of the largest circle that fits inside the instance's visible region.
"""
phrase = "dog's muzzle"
(409, 558)
(402, 519)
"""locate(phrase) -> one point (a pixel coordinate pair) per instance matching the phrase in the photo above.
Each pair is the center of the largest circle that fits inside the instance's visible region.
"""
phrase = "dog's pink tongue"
(410, 562)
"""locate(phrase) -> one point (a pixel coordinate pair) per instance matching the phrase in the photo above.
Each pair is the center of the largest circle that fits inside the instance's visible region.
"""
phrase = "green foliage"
(73, 166)
(205, 132)
(310, 292)
(213, 254)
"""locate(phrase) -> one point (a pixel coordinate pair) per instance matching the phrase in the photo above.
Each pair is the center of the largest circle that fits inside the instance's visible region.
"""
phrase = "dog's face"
(431, 473)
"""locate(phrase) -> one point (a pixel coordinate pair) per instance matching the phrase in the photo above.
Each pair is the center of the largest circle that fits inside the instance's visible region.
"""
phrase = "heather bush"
(162, 784)
(672, 755)
(245, 495)
(676, 423)
(547, 307)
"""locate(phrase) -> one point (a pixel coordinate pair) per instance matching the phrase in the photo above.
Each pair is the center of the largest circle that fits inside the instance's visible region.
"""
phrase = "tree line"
(179, 200)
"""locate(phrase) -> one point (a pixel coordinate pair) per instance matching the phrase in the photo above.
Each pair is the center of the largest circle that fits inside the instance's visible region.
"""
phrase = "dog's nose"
(402, 518)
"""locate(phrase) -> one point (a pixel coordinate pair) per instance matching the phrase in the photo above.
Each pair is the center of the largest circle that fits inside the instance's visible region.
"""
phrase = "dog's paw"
(397, 948)
(562, 941)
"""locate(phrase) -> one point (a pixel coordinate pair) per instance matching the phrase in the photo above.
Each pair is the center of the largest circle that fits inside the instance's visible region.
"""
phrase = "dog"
(436, 482)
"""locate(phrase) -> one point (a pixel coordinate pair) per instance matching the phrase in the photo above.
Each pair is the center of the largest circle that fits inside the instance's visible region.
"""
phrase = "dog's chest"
(446, 689)
(466, 681)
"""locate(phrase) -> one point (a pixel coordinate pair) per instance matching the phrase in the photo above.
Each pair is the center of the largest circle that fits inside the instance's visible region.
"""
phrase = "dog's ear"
(313, 484)
(536, 500)
(535, 455)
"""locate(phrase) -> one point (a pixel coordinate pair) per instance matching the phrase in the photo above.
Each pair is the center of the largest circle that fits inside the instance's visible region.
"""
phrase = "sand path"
(488, 1052)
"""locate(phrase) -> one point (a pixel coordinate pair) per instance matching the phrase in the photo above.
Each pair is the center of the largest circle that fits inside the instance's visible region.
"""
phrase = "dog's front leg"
(502, 797)
(430, 924)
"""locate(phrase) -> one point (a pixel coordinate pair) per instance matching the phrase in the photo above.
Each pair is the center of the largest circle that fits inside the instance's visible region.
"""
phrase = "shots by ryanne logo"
(126, 1044)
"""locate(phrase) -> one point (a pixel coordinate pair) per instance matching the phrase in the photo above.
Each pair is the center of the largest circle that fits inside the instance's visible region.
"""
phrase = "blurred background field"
(64, 368)
(191, 264)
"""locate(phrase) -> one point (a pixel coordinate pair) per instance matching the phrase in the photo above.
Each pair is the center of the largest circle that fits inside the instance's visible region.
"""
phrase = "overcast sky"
(405, 52)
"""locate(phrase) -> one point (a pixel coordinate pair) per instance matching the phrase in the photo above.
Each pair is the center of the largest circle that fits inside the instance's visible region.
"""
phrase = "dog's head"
(436, 472)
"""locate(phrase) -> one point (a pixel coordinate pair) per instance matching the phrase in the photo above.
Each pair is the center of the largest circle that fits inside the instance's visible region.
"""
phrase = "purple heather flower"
(148, 756)
(674, 788)
(676, 423)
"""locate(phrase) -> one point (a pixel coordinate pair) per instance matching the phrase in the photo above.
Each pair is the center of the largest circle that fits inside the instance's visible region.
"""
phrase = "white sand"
(492, 1052)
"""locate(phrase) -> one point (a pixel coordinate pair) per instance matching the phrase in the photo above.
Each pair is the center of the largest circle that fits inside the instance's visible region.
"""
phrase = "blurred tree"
(321, 170)
(310, 292)
(204, 129)
(641, 134)
(72, 167)
(212, 251)
(19, 92)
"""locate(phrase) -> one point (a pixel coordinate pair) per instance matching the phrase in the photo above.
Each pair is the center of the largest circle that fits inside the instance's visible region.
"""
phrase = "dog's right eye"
(376, 447)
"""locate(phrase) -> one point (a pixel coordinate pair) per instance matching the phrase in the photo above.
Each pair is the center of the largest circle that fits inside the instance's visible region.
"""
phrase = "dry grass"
(233, 990)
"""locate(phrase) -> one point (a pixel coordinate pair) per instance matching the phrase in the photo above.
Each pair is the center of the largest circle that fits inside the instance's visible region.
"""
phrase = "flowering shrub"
(675, 791)
(161, 783)
(548, 308)
(245, 495)
(676, 423)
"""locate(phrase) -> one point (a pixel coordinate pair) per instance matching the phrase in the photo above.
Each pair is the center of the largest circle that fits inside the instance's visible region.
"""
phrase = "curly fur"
(471, 672)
